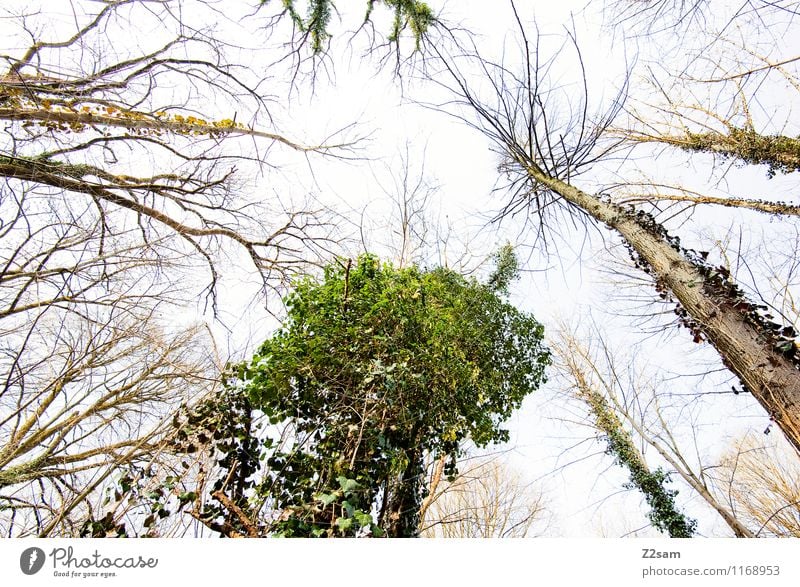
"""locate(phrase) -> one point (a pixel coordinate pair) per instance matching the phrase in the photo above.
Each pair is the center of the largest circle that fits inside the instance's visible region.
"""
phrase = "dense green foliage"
(374, 368)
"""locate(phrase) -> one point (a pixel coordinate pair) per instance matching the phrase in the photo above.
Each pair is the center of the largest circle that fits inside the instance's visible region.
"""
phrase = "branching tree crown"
(545, 154)
(375, 367)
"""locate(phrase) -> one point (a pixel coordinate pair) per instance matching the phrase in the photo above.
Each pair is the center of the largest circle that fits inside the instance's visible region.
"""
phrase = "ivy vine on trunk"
(375, 367)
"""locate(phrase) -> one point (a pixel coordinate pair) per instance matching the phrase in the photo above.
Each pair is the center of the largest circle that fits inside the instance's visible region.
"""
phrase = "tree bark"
(745, 346)
(781, 153)
(755, 205)
(433, 486)
(404, 502)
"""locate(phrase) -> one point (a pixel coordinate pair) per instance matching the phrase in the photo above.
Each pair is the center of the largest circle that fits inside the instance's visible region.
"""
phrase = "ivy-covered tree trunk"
(664, 513)
(403, 513)
(761, 354)
(780, 152)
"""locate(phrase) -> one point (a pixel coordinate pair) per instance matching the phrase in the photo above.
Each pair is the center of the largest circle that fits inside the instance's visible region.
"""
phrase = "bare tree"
(91, 368)
(412, 224)
(545, 151)
(121, 205)
(719, 97)
(83, 399)
(86, 129)
(629, 411)
(488, 499)
(686, 17)
(761, 481)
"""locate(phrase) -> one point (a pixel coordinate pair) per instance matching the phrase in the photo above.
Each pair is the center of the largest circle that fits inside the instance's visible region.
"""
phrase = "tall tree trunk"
(664, 513)
(608, 412)
(547, 145)
(766, 363)
(406, 499)
(433, 486)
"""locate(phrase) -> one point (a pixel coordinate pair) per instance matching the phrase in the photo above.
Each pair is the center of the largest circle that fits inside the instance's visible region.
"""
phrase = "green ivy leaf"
(347, 485)
(344, 524)
(326, 498)
(376, 366)
(363, 519)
